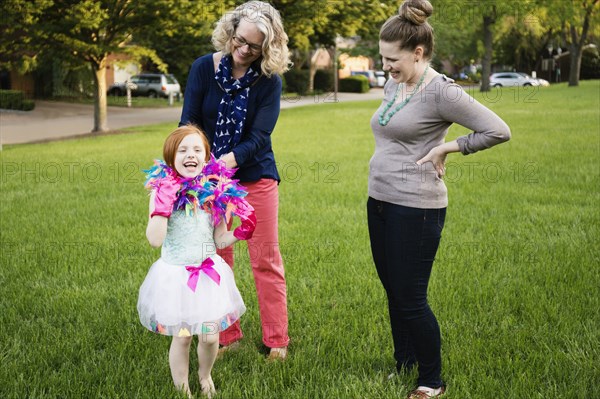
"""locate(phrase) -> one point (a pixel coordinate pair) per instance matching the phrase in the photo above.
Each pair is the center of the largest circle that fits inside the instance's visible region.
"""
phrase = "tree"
(314, 24)
(361, 19)
(183, 33)
(573, 19)
(456, 34)
(489, 19)
(90, 30)
(520, 41)
(579, 25)
(485, 15)
(20, 44)
(491, 12)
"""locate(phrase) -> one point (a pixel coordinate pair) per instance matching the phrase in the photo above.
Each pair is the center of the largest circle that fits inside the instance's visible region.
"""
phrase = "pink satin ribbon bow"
(207, 267)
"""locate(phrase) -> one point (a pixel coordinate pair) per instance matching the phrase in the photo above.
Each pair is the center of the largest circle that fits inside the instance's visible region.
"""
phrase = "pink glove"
(246, 229)
(165, 196)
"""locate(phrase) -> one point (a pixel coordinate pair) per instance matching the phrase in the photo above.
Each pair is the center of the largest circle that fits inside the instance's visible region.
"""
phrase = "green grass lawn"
(515, 286)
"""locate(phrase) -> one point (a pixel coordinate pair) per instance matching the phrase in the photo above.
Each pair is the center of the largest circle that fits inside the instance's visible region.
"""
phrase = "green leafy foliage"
(590, 63)
(21, 40)
(182, 32)
(354, 84)
(324, 80)
(296, 81)
(15, 99)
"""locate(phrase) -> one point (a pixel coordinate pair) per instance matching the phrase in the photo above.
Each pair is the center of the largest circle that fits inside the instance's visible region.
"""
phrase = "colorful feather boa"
(213, 191)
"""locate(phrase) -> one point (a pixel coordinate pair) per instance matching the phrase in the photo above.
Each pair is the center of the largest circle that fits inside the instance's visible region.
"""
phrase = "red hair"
(174, 139)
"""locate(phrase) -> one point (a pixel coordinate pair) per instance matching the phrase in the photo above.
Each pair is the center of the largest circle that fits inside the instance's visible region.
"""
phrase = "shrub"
(590, 64)
(324, 80)
(11, 99)
(28, 105)
(297, 81)
(474, 77)
(14, 99)
(354, 84)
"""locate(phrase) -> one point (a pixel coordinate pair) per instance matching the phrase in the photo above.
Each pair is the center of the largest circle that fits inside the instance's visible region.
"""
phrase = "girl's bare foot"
(208, 387)
(186, 391)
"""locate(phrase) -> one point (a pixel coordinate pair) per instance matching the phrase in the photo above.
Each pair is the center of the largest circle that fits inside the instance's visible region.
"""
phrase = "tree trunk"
(575, 54)
(486, 65)
(100, 111)
(576, 48)
(298, 58)
(333, 55)
(312, 56)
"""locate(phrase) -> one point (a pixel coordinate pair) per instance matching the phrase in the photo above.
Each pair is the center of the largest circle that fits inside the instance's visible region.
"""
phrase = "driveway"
(52, 120)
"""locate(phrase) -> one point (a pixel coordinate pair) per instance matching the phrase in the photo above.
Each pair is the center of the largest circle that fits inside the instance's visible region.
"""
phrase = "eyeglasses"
(255, 48)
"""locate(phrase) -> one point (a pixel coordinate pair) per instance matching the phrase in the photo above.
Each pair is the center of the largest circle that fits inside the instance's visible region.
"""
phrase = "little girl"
(190, 290)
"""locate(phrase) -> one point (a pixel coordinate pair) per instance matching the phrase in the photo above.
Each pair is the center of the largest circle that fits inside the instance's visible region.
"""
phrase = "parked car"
(148, 84)
(369, 74)
(542, 82)
(502, 79)
(381, 78)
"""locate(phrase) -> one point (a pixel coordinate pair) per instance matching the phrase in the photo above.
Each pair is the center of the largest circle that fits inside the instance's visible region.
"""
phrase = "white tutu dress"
(167, 302)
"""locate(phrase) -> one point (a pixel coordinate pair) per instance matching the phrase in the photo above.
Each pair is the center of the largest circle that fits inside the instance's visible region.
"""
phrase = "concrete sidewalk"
(52, 120)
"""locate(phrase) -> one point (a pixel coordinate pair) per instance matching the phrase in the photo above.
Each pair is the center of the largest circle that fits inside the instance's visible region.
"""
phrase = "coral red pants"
(267, 267)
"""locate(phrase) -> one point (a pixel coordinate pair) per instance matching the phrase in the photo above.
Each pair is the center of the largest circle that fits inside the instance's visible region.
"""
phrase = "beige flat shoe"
(418, 394)
(278, 354)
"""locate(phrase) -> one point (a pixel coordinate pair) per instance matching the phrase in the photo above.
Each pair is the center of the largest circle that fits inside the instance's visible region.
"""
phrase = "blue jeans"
(404, 242)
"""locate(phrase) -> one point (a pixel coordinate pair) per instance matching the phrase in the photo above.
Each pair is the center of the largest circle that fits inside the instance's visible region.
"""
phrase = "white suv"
(512, 79)
(148, 84)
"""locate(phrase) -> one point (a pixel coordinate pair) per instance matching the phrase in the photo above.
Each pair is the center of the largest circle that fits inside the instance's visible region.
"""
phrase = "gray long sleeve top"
(413, 131)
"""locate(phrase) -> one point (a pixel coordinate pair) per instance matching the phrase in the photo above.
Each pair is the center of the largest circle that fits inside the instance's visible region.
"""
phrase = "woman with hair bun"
(407, 197)
(234, 96)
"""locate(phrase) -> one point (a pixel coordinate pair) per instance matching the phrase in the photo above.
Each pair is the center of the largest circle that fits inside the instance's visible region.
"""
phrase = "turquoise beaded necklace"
(385, 119)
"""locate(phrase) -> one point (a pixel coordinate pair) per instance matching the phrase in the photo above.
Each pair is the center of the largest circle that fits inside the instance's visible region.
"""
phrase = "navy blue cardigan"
(253, 154)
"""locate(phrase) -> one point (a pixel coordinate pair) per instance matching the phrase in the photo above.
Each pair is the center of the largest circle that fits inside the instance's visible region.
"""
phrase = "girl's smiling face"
(190, 156)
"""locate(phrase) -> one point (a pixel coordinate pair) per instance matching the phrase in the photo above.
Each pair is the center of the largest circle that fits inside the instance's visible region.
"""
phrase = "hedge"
(14, 99)
(324, 80)
(28, 105)
(354, 84)
(297, 81)
(590, 64)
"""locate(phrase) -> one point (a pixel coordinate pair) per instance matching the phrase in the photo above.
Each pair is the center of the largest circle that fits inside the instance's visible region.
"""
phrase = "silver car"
(381, 79)
(148, 84)
(502, 79)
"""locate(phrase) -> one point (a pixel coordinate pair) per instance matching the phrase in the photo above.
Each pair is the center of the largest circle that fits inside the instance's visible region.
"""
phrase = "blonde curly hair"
(275, 58)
